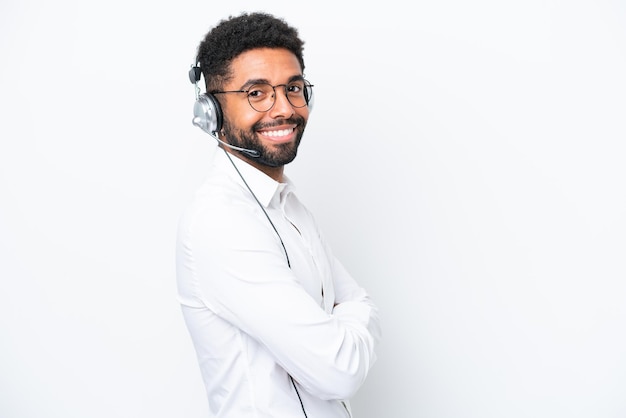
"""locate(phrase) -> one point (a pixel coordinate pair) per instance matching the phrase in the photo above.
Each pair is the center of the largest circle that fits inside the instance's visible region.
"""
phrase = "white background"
(465, 159)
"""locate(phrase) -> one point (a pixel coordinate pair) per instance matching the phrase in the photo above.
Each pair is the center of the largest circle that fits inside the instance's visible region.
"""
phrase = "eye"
(295, 88)
(259, 91)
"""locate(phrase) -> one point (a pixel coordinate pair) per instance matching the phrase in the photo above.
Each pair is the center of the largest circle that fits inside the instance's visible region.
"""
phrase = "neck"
(275, 173)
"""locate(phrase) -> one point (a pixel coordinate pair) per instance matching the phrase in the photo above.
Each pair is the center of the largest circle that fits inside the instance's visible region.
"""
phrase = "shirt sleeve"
(243, 277)
(353, 305)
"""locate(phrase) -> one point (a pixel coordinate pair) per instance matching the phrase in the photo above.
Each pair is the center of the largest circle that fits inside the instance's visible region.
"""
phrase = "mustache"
(294, 120)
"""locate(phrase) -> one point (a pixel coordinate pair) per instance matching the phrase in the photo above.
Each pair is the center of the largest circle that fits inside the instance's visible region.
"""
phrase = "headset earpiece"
(207, 113)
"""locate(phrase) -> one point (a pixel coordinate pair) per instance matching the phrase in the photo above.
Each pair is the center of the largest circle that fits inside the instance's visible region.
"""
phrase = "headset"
(207, 113)
(208, 116)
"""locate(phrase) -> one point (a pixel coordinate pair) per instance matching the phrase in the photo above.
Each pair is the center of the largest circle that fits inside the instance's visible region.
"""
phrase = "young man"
(279, 326)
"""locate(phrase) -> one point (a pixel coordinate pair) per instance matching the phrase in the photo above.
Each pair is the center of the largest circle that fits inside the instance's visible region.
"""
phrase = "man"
(279, 327)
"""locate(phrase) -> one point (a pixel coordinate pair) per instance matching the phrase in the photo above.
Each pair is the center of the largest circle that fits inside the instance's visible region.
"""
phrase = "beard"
(276, 156)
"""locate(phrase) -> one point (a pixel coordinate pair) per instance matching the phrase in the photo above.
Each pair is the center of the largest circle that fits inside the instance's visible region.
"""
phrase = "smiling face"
(275, 133)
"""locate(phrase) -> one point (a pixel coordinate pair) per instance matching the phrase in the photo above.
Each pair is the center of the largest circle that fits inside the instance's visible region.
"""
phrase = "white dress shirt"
(257, 313)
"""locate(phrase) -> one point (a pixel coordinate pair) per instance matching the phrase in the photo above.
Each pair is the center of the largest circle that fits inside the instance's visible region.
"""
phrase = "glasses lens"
(308, 92)
(296, 93)
(261, 97)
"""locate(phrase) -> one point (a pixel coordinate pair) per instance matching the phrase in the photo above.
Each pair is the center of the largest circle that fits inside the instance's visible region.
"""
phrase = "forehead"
(274, 65)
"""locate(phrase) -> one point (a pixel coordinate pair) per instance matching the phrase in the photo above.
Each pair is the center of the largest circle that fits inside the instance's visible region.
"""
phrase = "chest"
(307, 253)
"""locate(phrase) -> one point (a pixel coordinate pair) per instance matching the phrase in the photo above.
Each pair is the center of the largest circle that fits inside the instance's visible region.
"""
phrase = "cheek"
(248, 120)
(303, 113)
(240, 116)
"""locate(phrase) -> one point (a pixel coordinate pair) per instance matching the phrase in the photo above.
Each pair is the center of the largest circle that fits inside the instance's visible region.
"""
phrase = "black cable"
(261, 206)
(299, 398)
(284, 249)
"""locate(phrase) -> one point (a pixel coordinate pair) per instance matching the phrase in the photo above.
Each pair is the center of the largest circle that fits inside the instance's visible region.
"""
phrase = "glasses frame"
(307, 96)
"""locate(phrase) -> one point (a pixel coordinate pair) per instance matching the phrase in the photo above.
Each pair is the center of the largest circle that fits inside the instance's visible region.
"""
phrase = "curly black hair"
(239, 34)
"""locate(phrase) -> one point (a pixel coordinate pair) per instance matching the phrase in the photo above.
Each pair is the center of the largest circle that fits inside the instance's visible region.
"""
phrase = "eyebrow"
(251, 82)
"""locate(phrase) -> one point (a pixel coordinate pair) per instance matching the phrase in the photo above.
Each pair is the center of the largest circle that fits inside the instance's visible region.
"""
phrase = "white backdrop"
(466, 160)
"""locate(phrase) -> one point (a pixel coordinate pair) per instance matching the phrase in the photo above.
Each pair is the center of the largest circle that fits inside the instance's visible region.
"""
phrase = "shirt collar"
(264, 187)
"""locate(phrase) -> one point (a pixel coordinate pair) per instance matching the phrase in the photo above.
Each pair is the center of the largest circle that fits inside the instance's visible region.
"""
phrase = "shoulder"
(221, 212)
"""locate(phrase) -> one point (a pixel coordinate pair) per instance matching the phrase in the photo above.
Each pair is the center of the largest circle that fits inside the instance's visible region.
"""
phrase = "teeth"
(278, 133)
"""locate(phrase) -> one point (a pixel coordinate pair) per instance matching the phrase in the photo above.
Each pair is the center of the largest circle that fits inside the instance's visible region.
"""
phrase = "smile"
(278, 133)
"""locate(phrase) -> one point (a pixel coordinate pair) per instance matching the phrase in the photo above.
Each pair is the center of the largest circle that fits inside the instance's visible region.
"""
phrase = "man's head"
(236, 35)
(253, 65)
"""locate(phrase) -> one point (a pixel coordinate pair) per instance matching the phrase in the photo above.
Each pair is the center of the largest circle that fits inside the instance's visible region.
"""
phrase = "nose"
(282, 107)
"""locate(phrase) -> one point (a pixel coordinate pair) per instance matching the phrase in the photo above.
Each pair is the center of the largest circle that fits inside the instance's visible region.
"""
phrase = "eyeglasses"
(262, 96)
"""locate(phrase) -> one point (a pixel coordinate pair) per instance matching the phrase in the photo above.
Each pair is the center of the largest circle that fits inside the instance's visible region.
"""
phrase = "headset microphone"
(249, 152)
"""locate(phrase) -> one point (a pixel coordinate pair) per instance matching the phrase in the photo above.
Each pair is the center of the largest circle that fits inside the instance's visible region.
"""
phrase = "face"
(275, 133)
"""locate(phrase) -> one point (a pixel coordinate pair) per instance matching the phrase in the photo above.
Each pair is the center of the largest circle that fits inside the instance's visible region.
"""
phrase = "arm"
(243, 277)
